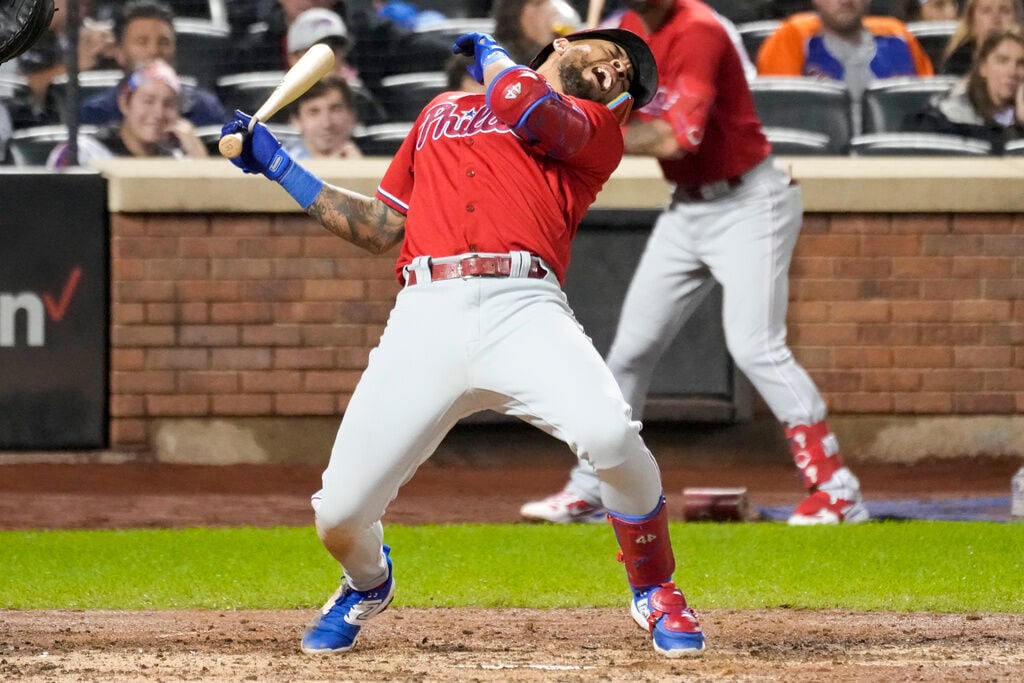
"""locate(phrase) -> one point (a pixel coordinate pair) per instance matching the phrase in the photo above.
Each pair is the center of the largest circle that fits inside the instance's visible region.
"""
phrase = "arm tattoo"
(364, 221)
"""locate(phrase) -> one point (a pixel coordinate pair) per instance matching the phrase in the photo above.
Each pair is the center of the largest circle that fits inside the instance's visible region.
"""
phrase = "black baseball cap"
(645, 71)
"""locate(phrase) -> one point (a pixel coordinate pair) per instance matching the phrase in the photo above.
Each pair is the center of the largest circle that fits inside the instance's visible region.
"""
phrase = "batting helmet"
(22, 22)
(645, 71)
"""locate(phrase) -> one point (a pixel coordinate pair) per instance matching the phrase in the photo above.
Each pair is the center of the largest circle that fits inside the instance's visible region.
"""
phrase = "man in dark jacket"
(144, 31)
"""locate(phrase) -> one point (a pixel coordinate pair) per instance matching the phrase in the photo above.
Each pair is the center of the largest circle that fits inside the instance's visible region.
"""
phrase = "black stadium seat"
(805, 104)
(405, 95)
(382, 140)
(247, 91)
(795, 142)
(917, 144)
(210, 135)
(888, 103)
(203, 49)
(754, 33)
(32, 146)
(934, 37)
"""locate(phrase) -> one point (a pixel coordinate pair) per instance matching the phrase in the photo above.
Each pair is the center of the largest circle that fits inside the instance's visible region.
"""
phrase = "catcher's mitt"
(21, 24)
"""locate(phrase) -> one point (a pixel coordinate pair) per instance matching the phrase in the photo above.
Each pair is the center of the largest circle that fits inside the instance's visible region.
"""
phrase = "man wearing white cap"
(320, 25)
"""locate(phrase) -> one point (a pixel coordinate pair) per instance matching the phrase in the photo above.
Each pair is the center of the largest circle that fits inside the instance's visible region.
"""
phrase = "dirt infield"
(480, 475)
(510, 645)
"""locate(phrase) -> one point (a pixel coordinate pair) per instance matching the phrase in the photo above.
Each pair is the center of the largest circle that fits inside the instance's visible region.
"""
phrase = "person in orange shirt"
(840, 42)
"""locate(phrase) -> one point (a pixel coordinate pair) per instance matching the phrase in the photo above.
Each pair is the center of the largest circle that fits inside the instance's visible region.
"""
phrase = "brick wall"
(234, 315)
(911, 314)
(237, 315)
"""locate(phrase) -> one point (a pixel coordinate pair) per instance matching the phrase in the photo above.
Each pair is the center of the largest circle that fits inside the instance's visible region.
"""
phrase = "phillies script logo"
(31, 310)
(445, 120)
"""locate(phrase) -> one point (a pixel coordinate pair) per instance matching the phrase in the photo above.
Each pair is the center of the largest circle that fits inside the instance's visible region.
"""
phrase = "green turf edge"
(899, 566)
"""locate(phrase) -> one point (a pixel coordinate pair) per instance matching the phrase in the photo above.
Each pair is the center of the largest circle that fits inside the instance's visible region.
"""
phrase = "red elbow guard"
(524, 101)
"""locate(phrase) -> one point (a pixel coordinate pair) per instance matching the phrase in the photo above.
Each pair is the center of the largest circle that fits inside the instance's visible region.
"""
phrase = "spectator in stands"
(144, 31)
(96, 44)
(839, 42)
(979, 19)
(325, 116)
(39, 66)
(930, 10)
(384, 48)
(149, 99)
(523, 27)
(319, 25)
(45, 61)
(989, 102)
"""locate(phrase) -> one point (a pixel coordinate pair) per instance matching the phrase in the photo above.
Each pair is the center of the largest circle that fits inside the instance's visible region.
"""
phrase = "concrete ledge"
(830, 184)
(889, 439)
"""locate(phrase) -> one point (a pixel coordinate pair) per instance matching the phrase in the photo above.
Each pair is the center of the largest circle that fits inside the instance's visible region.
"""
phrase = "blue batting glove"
(482, 48)
(240, 124)
(262, 153)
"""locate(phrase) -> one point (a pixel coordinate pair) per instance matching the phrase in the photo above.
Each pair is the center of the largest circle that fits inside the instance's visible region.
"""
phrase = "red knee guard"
(645, 548)
(815, 452)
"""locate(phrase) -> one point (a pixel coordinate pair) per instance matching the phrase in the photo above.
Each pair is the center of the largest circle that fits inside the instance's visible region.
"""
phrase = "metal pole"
(71, 101)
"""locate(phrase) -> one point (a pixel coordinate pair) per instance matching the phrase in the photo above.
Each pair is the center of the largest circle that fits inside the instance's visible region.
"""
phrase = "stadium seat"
(457, 9)
(934, 37)
(451, 29)
(214, 11)
(1014, 148)
(202, 51)
(405, 95)
(89, 83)
(805, 103)
(92, 83)
(382, 140)
(795, 142)
(210, 135)
(888, 103)
(31, 146)
(754, 33)
(742, 11)
(247, 91)
(917, 144)
(11, 86)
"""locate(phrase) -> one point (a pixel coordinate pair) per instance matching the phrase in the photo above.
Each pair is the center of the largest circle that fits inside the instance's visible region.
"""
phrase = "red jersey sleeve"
(687, 99)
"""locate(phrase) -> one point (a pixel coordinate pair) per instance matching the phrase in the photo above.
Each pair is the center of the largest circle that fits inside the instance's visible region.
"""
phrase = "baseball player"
(733, 217)
(485, 195)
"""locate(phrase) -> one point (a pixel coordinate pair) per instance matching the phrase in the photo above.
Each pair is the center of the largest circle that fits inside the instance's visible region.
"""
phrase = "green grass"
(930, 566)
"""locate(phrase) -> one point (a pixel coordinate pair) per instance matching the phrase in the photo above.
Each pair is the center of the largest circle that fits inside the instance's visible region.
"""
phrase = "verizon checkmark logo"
(23, 314)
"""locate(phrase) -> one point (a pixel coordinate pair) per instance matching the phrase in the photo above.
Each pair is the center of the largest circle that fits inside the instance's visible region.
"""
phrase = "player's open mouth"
(603, 77)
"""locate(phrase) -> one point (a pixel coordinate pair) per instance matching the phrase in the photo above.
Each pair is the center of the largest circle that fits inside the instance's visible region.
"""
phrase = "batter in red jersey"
(484, 196)
(735, 218)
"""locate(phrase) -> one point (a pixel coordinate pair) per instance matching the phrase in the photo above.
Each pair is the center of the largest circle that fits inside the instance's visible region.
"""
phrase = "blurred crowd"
(159, 77)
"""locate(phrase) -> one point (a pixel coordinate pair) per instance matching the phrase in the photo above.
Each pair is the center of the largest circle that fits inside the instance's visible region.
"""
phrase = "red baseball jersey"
(467, 183)
(703, 94)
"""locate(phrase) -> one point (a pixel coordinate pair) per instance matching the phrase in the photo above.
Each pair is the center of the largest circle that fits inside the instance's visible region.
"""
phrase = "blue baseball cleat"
(345, 613)
(674, 628)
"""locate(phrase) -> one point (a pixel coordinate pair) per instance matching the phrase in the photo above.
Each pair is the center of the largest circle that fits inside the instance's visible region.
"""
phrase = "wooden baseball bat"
(311, 67)
(594, 10)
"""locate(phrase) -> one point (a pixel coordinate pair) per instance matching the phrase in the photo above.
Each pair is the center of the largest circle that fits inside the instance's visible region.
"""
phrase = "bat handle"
(230, 146)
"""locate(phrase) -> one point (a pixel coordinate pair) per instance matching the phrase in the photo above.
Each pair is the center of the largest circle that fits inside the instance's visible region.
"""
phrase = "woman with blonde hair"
(979, 19)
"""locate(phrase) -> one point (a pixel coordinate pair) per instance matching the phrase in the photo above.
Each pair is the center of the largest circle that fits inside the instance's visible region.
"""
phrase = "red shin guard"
(645, 548)
(815, 452)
